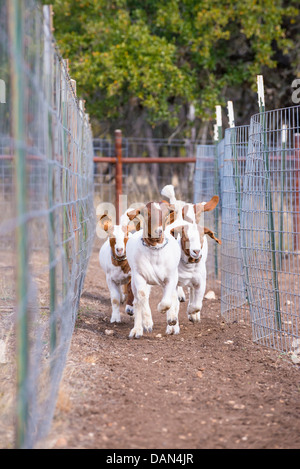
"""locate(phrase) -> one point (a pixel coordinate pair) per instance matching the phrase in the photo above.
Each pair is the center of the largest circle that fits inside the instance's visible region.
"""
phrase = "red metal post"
(297, 195)
(119, 173)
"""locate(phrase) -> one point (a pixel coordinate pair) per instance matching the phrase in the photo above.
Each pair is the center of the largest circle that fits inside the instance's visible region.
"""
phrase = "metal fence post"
(218, 138)
(296, 223)
(48, 66)
(269, 203)
(282, 183)
(16, 33)
(119, 174)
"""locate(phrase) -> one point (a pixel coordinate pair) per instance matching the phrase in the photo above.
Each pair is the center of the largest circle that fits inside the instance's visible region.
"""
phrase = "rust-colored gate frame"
(118, 160)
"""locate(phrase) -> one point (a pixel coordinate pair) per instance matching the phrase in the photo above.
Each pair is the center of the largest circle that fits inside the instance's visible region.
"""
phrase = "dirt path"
(209, 387)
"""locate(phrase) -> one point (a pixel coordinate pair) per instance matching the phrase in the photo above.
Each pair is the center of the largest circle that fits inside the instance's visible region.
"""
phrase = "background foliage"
(140, 64)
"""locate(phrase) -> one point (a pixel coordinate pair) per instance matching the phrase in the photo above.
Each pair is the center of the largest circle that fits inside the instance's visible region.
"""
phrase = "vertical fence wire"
(271, 227)
(259, 171)
(234, 304)
(7, 271)
(46, 235)
(206, 185)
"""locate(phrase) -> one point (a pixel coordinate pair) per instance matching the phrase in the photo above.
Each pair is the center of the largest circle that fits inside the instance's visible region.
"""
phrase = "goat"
(194, 249)
(113, 260)
(153, 257)
(185, 212)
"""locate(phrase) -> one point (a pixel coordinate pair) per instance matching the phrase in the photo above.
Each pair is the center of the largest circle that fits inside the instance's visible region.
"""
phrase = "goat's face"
(192, 239)
(118, 236)
(154, 219)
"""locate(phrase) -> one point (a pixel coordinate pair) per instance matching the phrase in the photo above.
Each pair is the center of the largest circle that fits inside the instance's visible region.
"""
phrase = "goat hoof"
(118, 320)
(181, 295)
(195, 317)
(129, 310)
(173, 330)
(172, 322)
(135, 333)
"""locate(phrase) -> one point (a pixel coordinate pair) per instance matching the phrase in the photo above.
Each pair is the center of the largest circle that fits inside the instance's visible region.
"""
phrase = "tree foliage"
(141, 63)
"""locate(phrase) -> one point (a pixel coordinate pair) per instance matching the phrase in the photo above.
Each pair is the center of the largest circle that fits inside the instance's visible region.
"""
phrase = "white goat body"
(153, 266)
(194, 250)
(117, 270)
(153, 257)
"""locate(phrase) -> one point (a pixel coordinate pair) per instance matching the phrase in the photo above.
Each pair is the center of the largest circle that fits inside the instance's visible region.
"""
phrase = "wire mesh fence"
(270, 237)
(234, 303)
(47, 227)
(259, 177)
(206, 185)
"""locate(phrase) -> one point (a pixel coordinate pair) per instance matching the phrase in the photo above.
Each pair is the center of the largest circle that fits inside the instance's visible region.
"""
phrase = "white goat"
(194, 249)
(183, 212)
(153, 257)
(113, 260)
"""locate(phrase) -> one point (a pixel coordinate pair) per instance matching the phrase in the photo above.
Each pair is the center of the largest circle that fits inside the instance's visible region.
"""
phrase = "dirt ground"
(208, 387)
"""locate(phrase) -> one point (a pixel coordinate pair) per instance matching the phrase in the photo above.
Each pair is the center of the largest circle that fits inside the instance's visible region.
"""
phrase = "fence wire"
(259, 176)
(234, 304)
(270, 225)
(206, 185)
(47, 227)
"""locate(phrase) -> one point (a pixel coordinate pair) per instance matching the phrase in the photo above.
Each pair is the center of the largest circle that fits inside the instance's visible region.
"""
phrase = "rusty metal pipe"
(119, 173)
(147, 160)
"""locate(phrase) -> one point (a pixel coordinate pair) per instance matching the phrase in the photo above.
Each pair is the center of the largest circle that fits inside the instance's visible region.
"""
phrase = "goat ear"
(208, 232)
(211, 205)
(134, 213)
(205, 207)
(105, 222)
(165, 202)
(176, 231)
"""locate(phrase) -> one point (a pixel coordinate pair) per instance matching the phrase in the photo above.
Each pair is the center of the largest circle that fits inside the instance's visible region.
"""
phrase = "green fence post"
(217, 139)
(261, 102)
(65, 156)
(282, 179)
(16, 35)
(48, 70)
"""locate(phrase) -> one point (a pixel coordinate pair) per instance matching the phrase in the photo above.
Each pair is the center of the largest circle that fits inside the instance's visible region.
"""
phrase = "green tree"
(140, 64)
